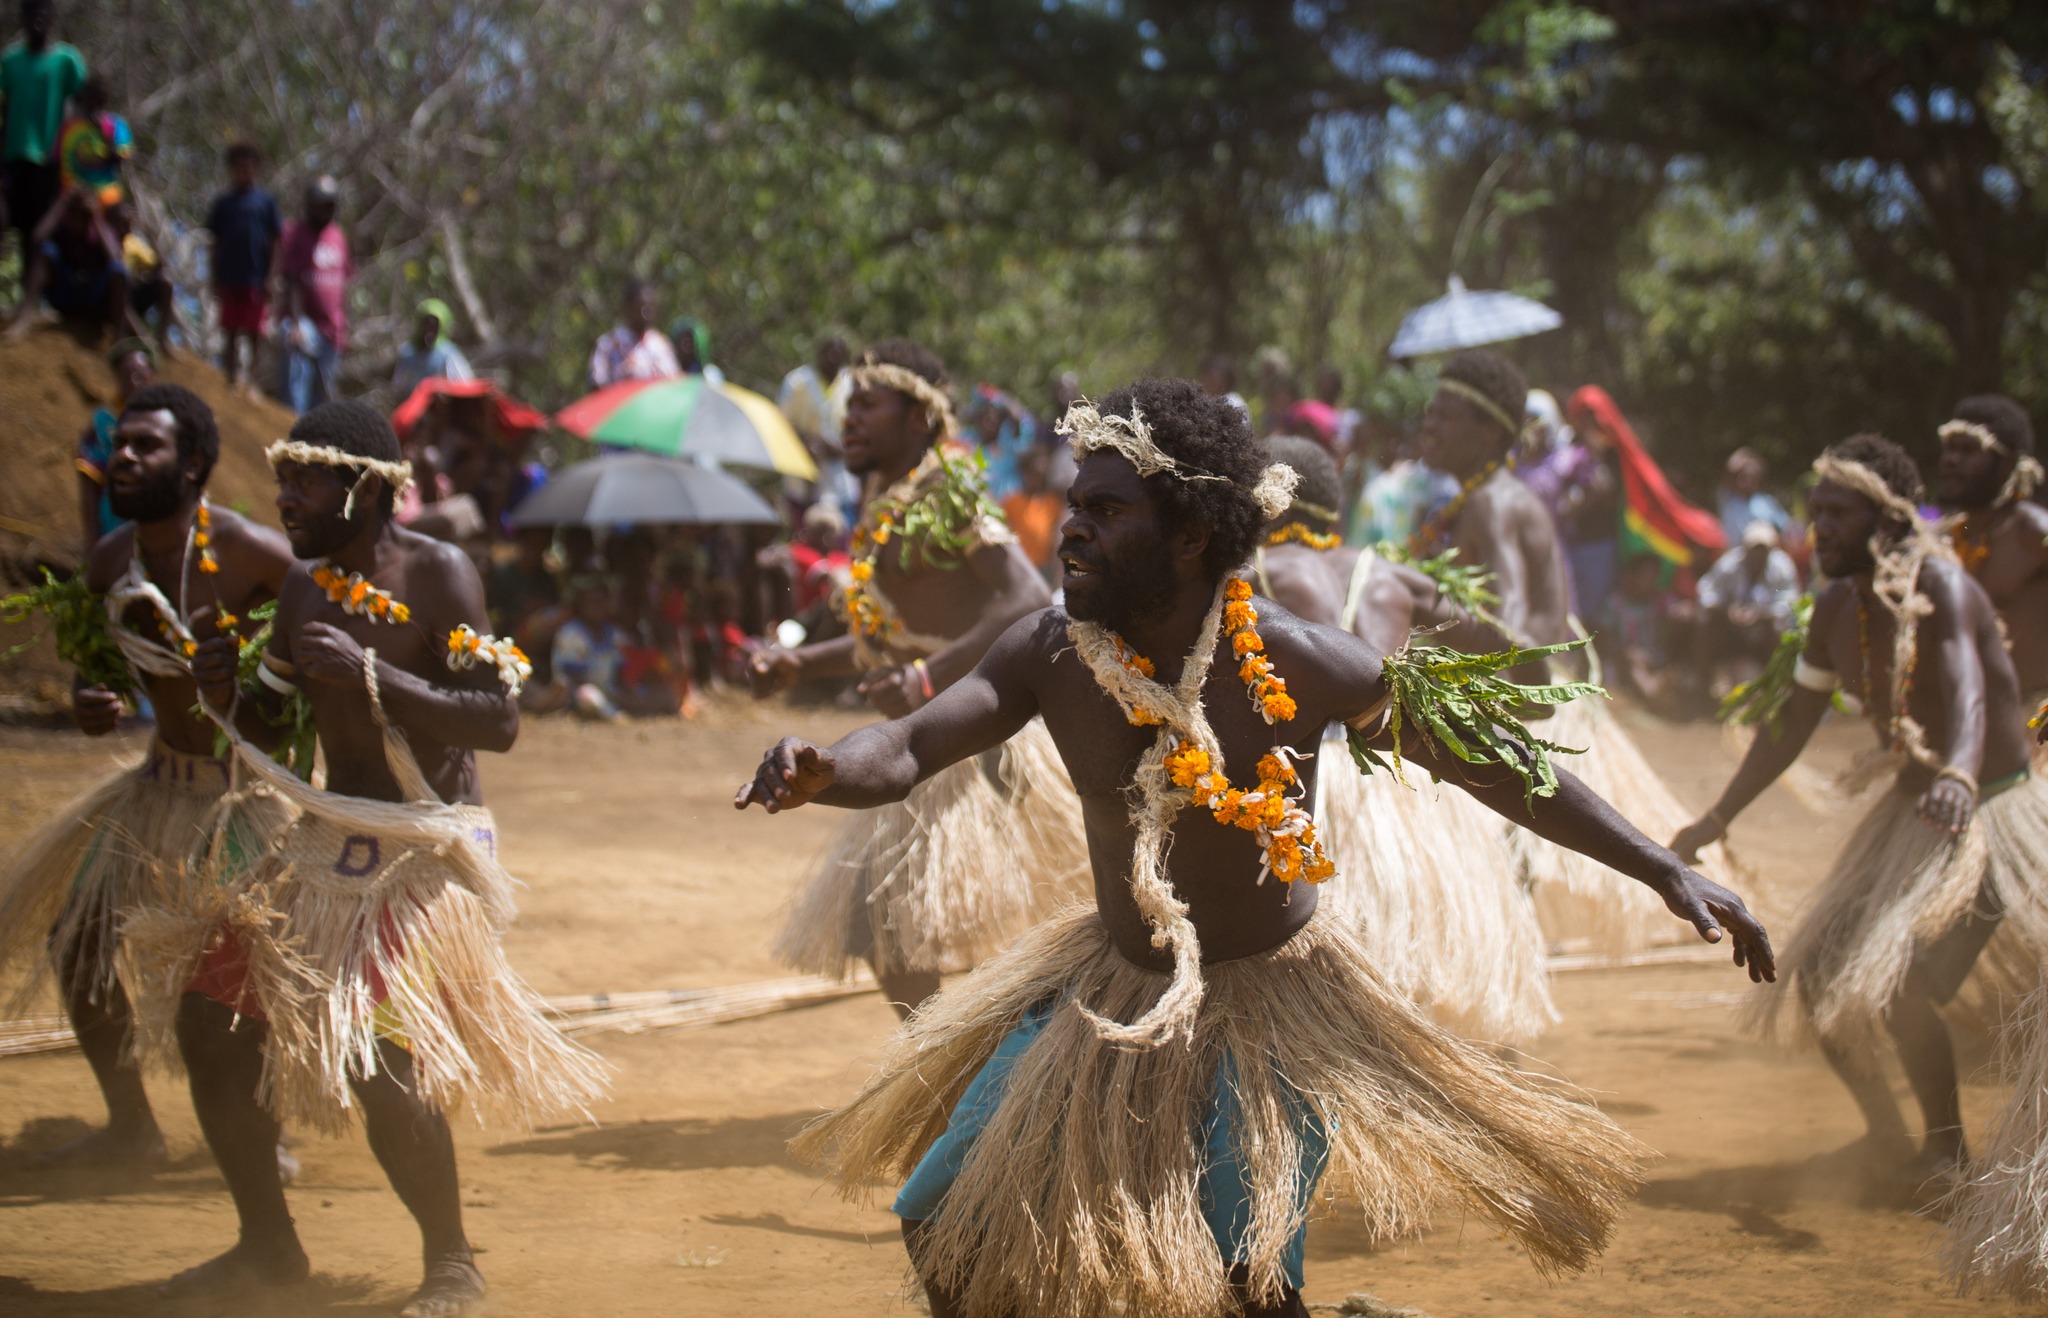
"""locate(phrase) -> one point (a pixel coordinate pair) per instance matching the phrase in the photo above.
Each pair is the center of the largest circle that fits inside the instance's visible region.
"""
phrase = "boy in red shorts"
(245, 223)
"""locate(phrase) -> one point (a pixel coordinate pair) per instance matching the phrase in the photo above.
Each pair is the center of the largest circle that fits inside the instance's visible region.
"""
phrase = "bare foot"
(142, 1150)
(452, 1286)
(1933, 1176)
(242, 1268)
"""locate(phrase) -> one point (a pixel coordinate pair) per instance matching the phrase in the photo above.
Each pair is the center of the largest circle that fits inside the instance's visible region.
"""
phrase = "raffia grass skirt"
(1082, 1196)
(1427, 882)
(146, 837)
(1583, 905)
(948, 876)
(1897, 888)
(343, 936)
(1997, 1237)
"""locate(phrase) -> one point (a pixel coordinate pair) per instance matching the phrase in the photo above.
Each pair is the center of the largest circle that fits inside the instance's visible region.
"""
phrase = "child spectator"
(315, 264)
(246, 224)
(37, 75)
(150, 291)
(94, 145)
(76, 264)
(134, 366)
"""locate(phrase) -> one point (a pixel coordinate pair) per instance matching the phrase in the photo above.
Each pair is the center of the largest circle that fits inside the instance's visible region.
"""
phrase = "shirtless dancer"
(1120, 1131)
(1987, 471)
(137, 838)
(1421, 871)
(416, 984)
(1897, 926)
(922, 611)
(1496, 522)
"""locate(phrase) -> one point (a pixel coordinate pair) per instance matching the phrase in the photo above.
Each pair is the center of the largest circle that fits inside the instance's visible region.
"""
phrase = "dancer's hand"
(792, 773)
(1699, 833)
(1948, 805)
(95, 710)
(1711, 908)
(896, 692)
(214, 667)
(325, 653)
(774, 670)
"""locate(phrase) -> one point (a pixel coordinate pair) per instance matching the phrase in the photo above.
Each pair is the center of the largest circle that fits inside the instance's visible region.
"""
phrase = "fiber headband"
(1089, 431)
(2026, 471)
(398, 475)
(938, 409)
(1483, 403)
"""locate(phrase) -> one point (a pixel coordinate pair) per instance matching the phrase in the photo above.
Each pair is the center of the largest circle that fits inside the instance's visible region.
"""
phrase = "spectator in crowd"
(152, 298)
(1344, 421)
(1743, 499)
(586, 656)
(37, 76)
(1394, 499)
(633, 349)
(1004, 429)
(1581, 484)
(1634, 632)
(315, 266)
(245, 225)
(1219, 380)
(1746, 601)
(133, 366)
(1035, 510)
(692, 340)
(813, 398)
(76, 265)
(429, 354)
(814, 562)
(94, 145)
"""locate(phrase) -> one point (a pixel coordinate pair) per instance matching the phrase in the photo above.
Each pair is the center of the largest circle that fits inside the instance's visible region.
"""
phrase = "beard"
(151, 503)
(1135, 587)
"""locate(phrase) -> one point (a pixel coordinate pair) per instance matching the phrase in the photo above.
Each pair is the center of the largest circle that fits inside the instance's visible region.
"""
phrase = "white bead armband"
(1813, 677)
(275, 680)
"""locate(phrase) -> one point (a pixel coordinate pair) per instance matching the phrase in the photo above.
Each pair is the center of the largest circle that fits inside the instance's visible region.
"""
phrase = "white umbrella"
(1461, 319)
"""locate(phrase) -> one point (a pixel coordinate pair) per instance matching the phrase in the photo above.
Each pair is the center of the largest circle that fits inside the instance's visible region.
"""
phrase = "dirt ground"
(680, 1199)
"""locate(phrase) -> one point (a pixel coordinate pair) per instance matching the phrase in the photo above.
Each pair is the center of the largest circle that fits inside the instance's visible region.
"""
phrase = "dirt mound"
(50, 383)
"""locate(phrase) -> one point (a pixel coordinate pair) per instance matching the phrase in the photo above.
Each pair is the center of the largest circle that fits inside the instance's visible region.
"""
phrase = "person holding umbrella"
(937, 577)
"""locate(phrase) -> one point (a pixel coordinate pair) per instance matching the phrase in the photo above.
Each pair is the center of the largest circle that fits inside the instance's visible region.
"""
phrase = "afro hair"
(1891, 463)
(1320, 485)
(911, 356)
(1495, 378)
(1209, 436)
(198, 432)
(355, 428)
(2002, 417)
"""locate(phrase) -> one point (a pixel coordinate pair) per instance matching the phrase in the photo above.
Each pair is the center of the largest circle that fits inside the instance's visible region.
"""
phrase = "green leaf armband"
(79, 618)
(1461, 703)
(1468, 589)
(255, 676)
(1763, 700)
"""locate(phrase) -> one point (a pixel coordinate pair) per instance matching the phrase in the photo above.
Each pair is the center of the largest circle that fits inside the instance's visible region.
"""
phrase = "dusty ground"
(682, 1201)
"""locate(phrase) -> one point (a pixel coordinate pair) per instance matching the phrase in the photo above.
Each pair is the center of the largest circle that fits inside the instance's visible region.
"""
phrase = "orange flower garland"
(467, 648)
(202, 539)
(357, 597)
(1312, 539)
(863, 612)
(1283, 827)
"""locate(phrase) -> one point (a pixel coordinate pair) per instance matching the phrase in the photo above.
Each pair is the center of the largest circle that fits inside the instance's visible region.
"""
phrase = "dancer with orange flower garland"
(1131, 1109)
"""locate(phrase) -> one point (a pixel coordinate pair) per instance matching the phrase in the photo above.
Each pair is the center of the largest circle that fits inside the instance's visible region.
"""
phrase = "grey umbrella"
(1462, 319)
(641, 488)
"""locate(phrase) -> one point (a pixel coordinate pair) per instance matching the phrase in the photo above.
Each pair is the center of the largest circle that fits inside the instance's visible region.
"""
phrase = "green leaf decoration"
(1468, 588)
(1460, 702)
(1762, 701)
(943, 523)
(79, 617)
(295, 719)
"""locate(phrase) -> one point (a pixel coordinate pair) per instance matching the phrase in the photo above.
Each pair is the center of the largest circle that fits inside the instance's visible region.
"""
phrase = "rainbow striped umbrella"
(688, 417)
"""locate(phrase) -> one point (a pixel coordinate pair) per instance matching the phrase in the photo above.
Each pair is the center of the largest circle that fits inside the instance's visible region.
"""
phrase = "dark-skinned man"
(1987, 470)
(358, 970)
(1132, 1107)
(1498, 524)
(1894, 931)
(176, 568)
(954, 873)
(1423, 873)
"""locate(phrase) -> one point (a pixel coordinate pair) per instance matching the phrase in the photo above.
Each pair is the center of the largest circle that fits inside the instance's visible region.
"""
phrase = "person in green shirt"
(37, 75)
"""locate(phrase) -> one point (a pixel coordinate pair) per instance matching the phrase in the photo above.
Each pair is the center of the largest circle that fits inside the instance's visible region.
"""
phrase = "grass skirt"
(1426, 881)
(348, 933)
(1998, 1219)
(144, 838)
(1082, 1197)
(1585, 906)
(947, 877)
(1899, 886)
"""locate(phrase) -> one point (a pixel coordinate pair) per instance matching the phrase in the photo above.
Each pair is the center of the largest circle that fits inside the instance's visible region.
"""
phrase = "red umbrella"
(514, 417)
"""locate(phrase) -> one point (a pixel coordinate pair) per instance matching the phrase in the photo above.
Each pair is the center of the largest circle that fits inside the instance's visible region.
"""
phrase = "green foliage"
(944, 521)
(1762, 701)
(1470, 589)
(294, 719)
(79, 617)
(1460, 702)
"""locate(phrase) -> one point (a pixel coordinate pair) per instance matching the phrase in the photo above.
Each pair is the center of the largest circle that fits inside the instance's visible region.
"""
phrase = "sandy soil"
(681, 1199)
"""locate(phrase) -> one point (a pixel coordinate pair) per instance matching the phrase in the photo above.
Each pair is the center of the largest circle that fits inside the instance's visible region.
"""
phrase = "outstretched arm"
(881, 763)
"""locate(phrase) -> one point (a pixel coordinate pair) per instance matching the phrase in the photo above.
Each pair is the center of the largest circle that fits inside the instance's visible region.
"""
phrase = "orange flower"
(1237, 617)
(400, 613)
(862, 571)
(1274, 769)
(1237, 588)
(208, 564)
(1245, 642)
(1280, 708)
